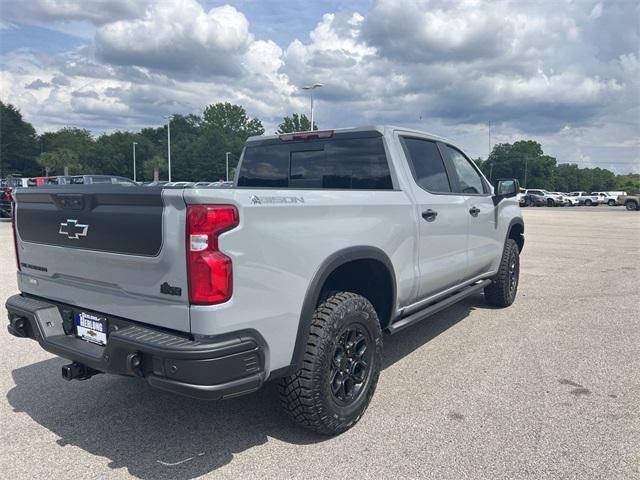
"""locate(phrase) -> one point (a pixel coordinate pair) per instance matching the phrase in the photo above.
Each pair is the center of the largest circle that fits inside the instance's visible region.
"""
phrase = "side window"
(427, 165)
(470, 180)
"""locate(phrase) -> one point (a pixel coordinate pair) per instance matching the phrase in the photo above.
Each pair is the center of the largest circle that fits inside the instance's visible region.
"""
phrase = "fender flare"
(326, 268)
(516, 221)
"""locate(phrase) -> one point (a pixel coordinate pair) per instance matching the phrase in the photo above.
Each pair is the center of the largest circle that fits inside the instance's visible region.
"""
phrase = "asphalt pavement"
(548, 388)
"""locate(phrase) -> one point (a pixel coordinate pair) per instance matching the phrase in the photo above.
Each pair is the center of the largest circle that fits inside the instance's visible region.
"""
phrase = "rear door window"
(336, 163)
(427, 165)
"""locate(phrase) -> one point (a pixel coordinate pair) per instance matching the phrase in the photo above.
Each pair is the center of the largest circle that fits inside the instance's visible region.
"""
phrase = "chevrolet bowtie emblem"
(73, 230)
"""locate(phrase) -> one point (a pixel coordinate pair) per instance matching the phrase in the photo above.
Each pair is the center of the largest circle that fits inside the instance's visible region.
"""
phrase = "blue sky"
(565, 73)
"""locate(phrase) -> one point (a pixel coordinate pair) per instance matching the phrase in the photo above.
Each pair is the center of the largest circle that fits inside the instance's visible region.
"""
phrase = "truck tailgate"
(107, 248)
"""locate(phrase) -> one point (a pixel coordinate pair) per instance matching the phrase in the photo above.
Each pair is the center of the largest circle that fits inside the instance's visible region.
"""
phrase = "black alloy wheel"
(351, 365)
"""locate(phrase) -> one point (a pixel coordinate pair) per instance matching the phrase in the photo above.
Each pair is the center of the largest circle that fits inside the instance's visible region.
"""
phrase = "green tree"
(231, 120)
(224, 128)
(296, 123)
(78, 141)
(60, 162)
(18, 143)
(523, 160)
(154, 167)
(629, 183)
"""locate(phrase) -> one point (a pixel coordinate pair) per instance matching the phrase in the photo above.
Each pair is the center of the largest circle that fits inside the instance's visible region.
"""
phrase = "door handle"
(474, 211)
(429, 215)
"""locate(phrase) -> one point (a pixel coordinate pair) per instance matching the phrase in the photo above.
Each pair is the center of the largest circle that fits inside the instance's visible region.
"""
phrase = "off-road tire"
(501, 292)
(631, 205)
(307, 395)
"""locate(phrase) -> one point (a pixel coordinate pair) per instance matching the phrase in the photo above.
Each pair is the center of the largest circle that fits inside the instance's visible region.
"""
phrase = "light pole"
(311, 88)
(491, 164)
(169, 117)
(227, 158)
(134, 160)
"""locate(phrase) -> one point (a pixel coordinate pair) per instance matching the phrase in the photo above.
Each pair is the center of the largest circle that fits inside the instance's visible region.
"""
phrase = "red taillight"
(15, 233)
(210, 271)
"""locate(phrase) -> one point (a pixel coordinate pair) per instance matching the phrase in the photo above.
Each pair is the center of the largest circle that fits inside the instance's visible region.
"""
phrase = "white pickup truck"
(325, 240)
(585, 198)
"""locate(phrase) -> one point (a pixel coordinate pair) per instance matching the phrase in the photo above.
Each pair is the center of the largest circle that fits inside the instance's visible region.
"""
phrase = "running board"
(405, 322)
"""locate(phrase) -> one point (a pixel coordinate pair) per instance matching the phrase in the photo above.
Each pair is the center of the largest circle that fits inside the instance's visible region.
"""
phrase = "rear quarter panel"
(278, 248)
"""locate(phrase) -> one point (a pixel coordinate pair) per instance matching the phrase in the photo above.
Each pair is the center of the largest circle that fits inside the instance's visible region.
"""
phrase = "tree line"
(199, 144)
(526, 161)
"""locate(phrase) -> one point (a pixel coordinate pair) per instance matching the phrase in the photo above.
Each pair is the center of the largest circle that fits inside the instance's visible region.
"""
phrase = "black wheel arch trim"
(516, 221)
(314, 290)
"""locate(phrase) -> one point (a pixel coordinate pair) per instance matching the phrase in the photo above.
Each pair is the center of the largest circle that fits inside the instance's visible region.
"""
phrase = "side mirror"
(505, 188)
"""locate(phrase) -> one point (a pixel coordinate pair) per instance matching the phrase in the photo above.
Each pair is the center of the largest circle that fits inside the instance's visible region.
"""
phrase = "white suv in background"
(585, 198)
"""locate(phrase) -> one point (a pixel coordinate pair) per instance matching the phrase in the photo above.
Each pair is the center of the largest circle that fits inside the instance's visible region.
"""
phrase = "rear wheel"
(588, 203)
(611, 203)
(550, 202)
(504, 286)
(631, 205)
(341, 366)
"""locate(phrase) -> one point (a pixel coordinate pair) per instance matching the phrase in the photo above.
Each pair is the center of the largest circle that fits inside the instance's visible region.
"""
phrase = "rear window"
(342, 163)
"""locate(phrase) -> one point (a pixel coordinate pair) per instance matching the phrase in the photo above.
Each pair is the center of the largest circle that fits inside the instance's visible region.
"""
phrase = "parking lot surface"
(548, 388)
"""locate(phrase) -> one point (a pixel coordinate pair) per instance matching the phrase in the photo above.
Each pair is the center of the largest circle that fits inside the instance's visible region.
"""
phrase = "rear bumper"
(220, 367)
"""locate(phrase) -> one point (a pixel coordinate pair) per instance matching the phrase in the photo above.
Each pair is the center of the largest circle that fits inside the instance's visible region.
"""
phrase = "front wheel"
(588, 203)
(504, 286)
(631, 205)
(340, 368)
(550, 202)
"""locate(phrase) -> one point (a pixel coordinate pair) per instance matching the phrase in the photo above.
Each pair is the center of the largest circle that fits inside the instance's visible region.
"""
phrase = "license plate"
(91, 328)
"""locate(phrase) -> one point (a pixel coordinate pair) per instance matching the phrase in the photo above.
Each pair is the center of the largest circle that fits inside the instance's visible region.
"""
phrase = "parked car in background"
(159, 183)
(562, 200)
(551, 200)
(5, 201)
(40, 181)
(607, 198)
(570, 201)
(630, 202)
(585, 198)
(91, 179)
(616, 194)
(7, 186)
(14, 182)
(534, 200)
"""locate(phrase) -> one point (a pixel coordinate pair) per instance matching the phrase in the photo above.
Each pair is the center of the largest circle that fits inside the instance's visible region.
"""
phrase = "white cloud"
(95, 11)
(565, 73)
(178, 37)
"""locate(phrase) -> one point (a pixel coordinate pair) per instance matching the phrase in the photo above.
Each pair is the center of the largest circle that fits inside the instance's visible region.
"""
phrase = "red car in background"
(39, 181)
(6, 187)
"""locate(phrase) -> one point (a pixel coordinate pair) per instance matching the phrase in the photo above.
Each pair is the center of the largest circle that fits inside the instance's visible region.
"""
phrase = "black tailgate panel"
(108, 218)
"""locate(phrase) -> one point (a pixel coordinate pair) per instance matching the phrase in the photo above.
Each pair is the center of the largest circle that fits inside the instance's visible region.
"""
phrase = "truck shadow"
(156, 435)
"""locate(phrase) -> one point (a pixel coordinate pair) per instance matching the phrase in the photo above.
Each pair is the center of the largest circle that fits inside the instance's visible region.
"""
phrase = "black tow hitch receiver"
(17, 326)
(134, 363)
(77, 371)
